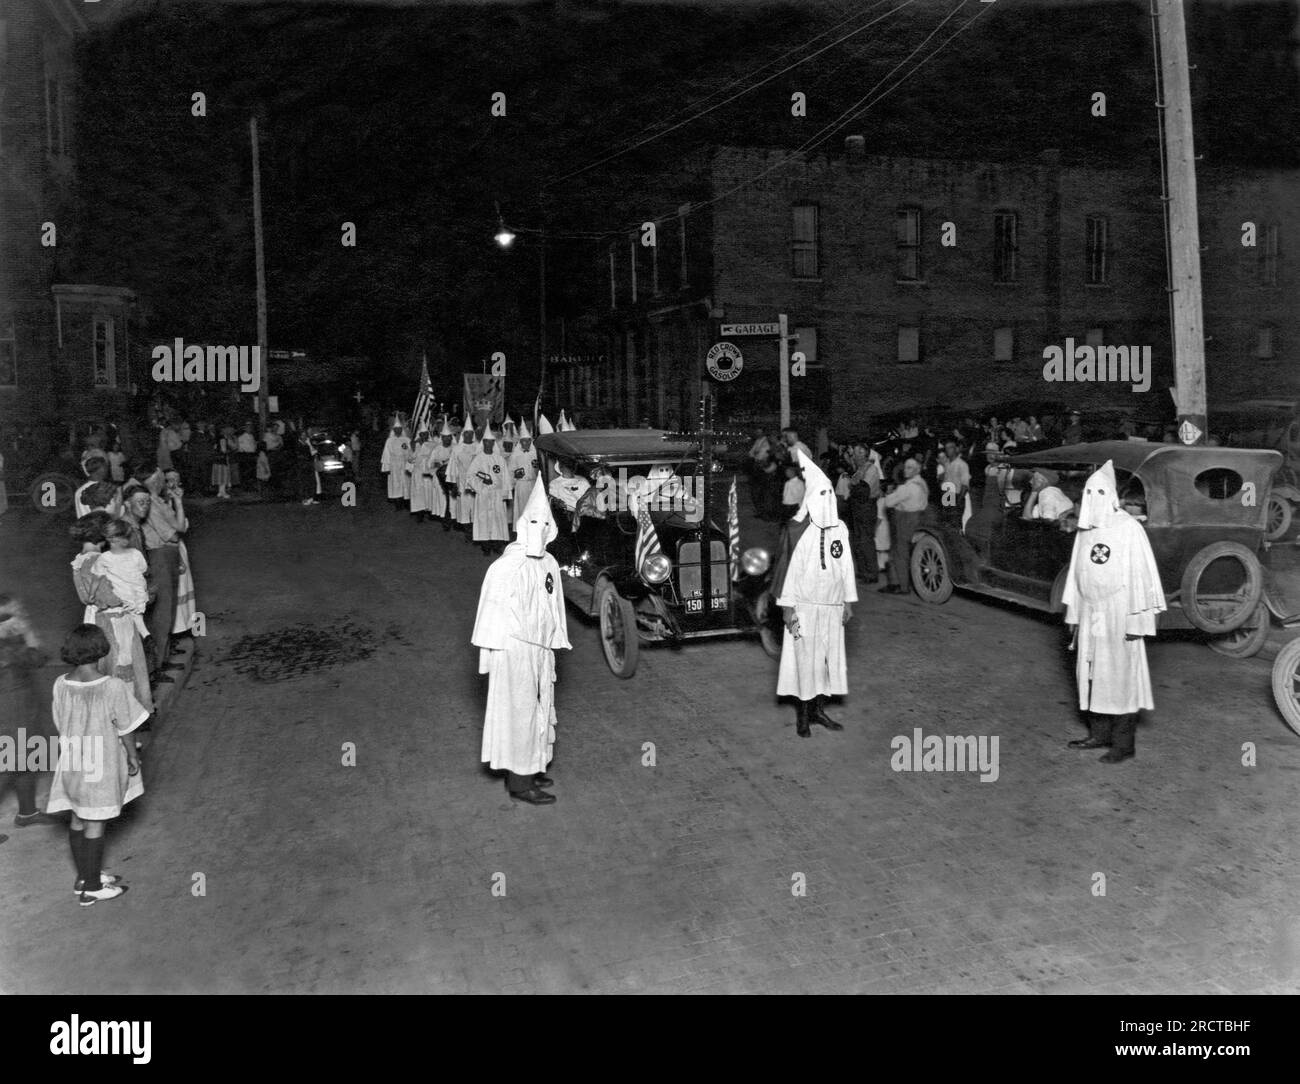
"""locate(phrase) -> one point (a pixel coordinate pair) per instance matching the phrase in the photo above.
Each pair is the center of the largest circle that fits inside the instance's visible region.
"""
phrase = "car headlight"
(655, 568)
(755, 561)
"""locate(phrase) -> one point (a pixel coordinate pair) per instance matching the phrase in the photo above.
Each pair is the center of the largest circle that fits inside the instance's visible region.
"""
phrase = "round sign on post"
(724, 361)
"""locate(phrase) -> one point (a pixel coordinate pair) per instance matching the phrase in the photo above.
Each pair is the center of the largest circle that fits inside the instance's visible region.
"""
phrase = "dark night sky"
(380, 116)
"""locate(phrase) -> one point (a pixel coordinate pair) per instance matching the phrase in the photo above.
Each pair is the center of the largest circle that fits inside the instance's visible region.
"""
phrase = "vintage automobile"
(1203, 509)
(684, 593)
(1267, 423)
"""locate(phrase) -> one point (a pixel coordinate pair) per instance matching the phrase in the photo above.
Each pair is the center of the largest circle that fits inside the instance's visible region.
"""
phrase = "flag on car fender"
(733, 530)
(647, 538)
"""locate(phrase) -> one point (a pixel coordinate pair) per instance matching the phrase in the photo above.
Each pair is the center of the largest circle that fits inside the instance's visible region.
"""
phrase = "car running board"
(1010, 596)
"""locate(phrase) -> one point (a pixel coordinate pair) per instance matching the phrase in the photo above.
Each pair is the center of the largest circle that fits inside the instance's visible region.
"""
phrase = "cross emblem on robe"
(1100, 554)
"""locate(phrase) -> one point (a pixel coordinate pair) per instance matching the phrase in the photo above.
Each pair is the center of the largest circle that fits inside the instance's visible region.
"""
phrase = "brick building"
(924, 283)
(64, 347)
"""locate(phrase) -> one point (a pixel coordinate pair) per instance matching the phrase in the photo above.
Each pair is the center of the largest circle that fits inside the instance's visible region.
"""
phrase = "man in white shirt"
(791, 437)
(1045, 500)
(568, 487)
(907, 502)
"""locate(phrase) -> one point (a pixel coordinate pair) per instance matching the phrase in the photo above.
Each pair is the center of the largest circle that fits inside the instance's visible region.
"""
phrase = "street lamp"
(505, 237)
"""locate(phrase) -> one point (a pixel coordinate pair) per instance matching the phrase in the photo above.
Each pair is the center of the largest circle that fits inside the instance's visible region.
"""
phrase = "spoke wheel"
(1278, 520)
(930, 577)
(1286, 684)
(1245, 642)
(618, 635)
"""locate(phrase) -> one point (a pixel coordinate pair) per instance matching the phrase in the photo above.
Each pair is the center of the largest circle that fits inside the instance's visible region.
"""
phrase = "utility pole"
(1184, 233)
(784, 357)
(260, 262)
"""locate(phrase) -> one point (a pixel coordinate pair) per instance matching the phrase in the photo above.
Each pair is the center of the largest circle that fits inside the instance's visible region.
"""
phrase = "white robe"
(439, 457)
(1113, 590)
(422, 496)
(393, 463)
(814, 663)
(520, 623)
(489, 512)
(462, 505)
(526, 462)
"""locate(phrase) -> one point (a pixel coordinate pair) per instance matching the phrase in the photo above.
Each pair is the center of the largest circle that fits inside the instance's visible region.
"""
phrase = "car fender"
(1286, 492)
(961, 558)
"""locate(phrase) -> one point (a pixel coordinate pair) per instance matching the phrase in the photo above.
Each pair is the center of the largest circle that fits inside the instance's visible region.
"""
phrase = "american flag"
(423, 401)
(733, 530)
(647, 538)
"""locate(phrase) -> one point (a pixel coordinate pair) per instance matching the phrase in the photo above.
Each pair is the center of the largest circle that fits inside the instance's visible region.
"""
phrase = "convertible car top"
(616, 445)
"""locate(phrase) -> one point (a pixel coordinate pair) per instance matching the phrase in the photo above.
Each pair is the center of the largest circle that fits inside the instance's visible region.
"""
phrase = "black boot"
(1123, 739)
(801, 719)
(816, 714)
(1099, 733)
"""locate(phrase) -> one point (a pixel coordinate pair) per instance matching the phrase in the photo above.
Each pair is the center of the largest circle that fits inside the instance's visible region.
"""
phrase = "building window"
(804, 244)
(1096, 250)
(54, 110)
(1006, 246)
(907, 244)
(805, 342)
(104, 354)
(1004, 344)
(1266, 274)
(1096, 336)
(1264, 342)
(8, 356)
(909, 345)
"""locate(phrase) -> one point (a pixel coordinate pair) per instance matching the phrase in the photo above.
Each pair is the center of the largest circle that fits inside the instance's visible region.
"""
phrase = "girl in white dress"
(98, 770)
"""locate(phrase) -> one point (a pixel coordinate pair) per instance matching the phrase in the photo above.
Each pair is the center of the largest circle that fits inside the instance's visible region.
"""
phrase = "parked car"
(684, 593)
(1267, 423)
(1203, 510)
(327, 460)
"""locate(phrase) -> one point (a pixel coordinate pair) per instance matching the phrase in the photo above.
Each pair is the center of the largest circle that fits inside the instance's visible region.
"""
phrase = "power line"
(739, 94)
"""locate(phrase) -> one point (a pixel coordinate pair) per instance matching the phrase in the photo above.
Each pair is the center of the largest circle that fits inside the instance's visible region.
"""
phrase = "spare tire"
(1224, 610)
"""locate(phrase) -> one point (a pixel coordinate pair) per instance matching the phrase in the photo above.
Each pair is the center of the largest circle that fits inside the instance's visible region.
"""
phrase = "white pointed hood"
(818, 494)
(445, 431)
(564, 423)
(524, 432)
(487, 431)
(1099, 505)
(536, 526)
(543, 426)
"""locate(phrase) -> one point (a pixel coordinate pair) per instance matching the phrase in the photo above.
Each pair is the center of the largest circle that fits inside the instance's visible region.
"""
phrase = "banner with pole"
(485, 396)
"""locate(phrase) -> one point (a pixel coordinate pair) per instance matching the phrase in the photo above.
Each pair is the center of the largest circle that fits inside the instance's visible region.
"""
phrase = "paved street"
(330, 625)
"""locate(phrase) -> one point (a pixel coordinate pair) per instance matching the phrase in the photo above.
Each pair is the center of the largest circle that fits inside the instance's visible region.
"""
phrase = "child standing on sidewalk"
(98, 770)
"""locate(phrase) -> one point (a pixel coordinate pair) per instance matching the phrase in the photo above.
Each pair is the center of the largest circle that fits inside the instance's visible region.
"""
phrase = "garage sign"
(724, 361)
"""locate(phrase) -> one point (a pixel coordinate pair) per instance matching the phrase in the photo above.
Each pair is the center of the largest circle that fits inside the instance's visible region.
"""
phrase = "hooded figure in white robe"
(1112, 596)
(422, 484)
(461, 457)
(393, 462)
(439, 456)
(488, 478)
(523, 467)
(520, 624)
(815, 586)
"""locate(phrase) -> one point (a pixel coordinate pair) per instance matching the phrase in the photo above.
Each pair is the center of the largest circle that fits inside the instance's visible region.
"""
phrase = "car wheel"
(618, 635)
(1218, 603)
(52, 492)
(1278, 520)
(930, 576)
(1244, 643)
(1286, 684)
(769, 634)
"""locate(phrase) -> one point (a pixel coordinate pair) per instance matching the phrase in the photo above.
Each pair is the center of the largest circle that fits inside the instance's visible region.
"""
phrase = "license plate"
(694, 605)
(720, 602)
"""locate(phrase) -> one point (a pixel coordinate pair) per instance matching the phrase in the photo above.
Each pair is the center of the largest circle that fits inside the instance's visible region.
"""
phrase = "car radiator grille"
(690, 574)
